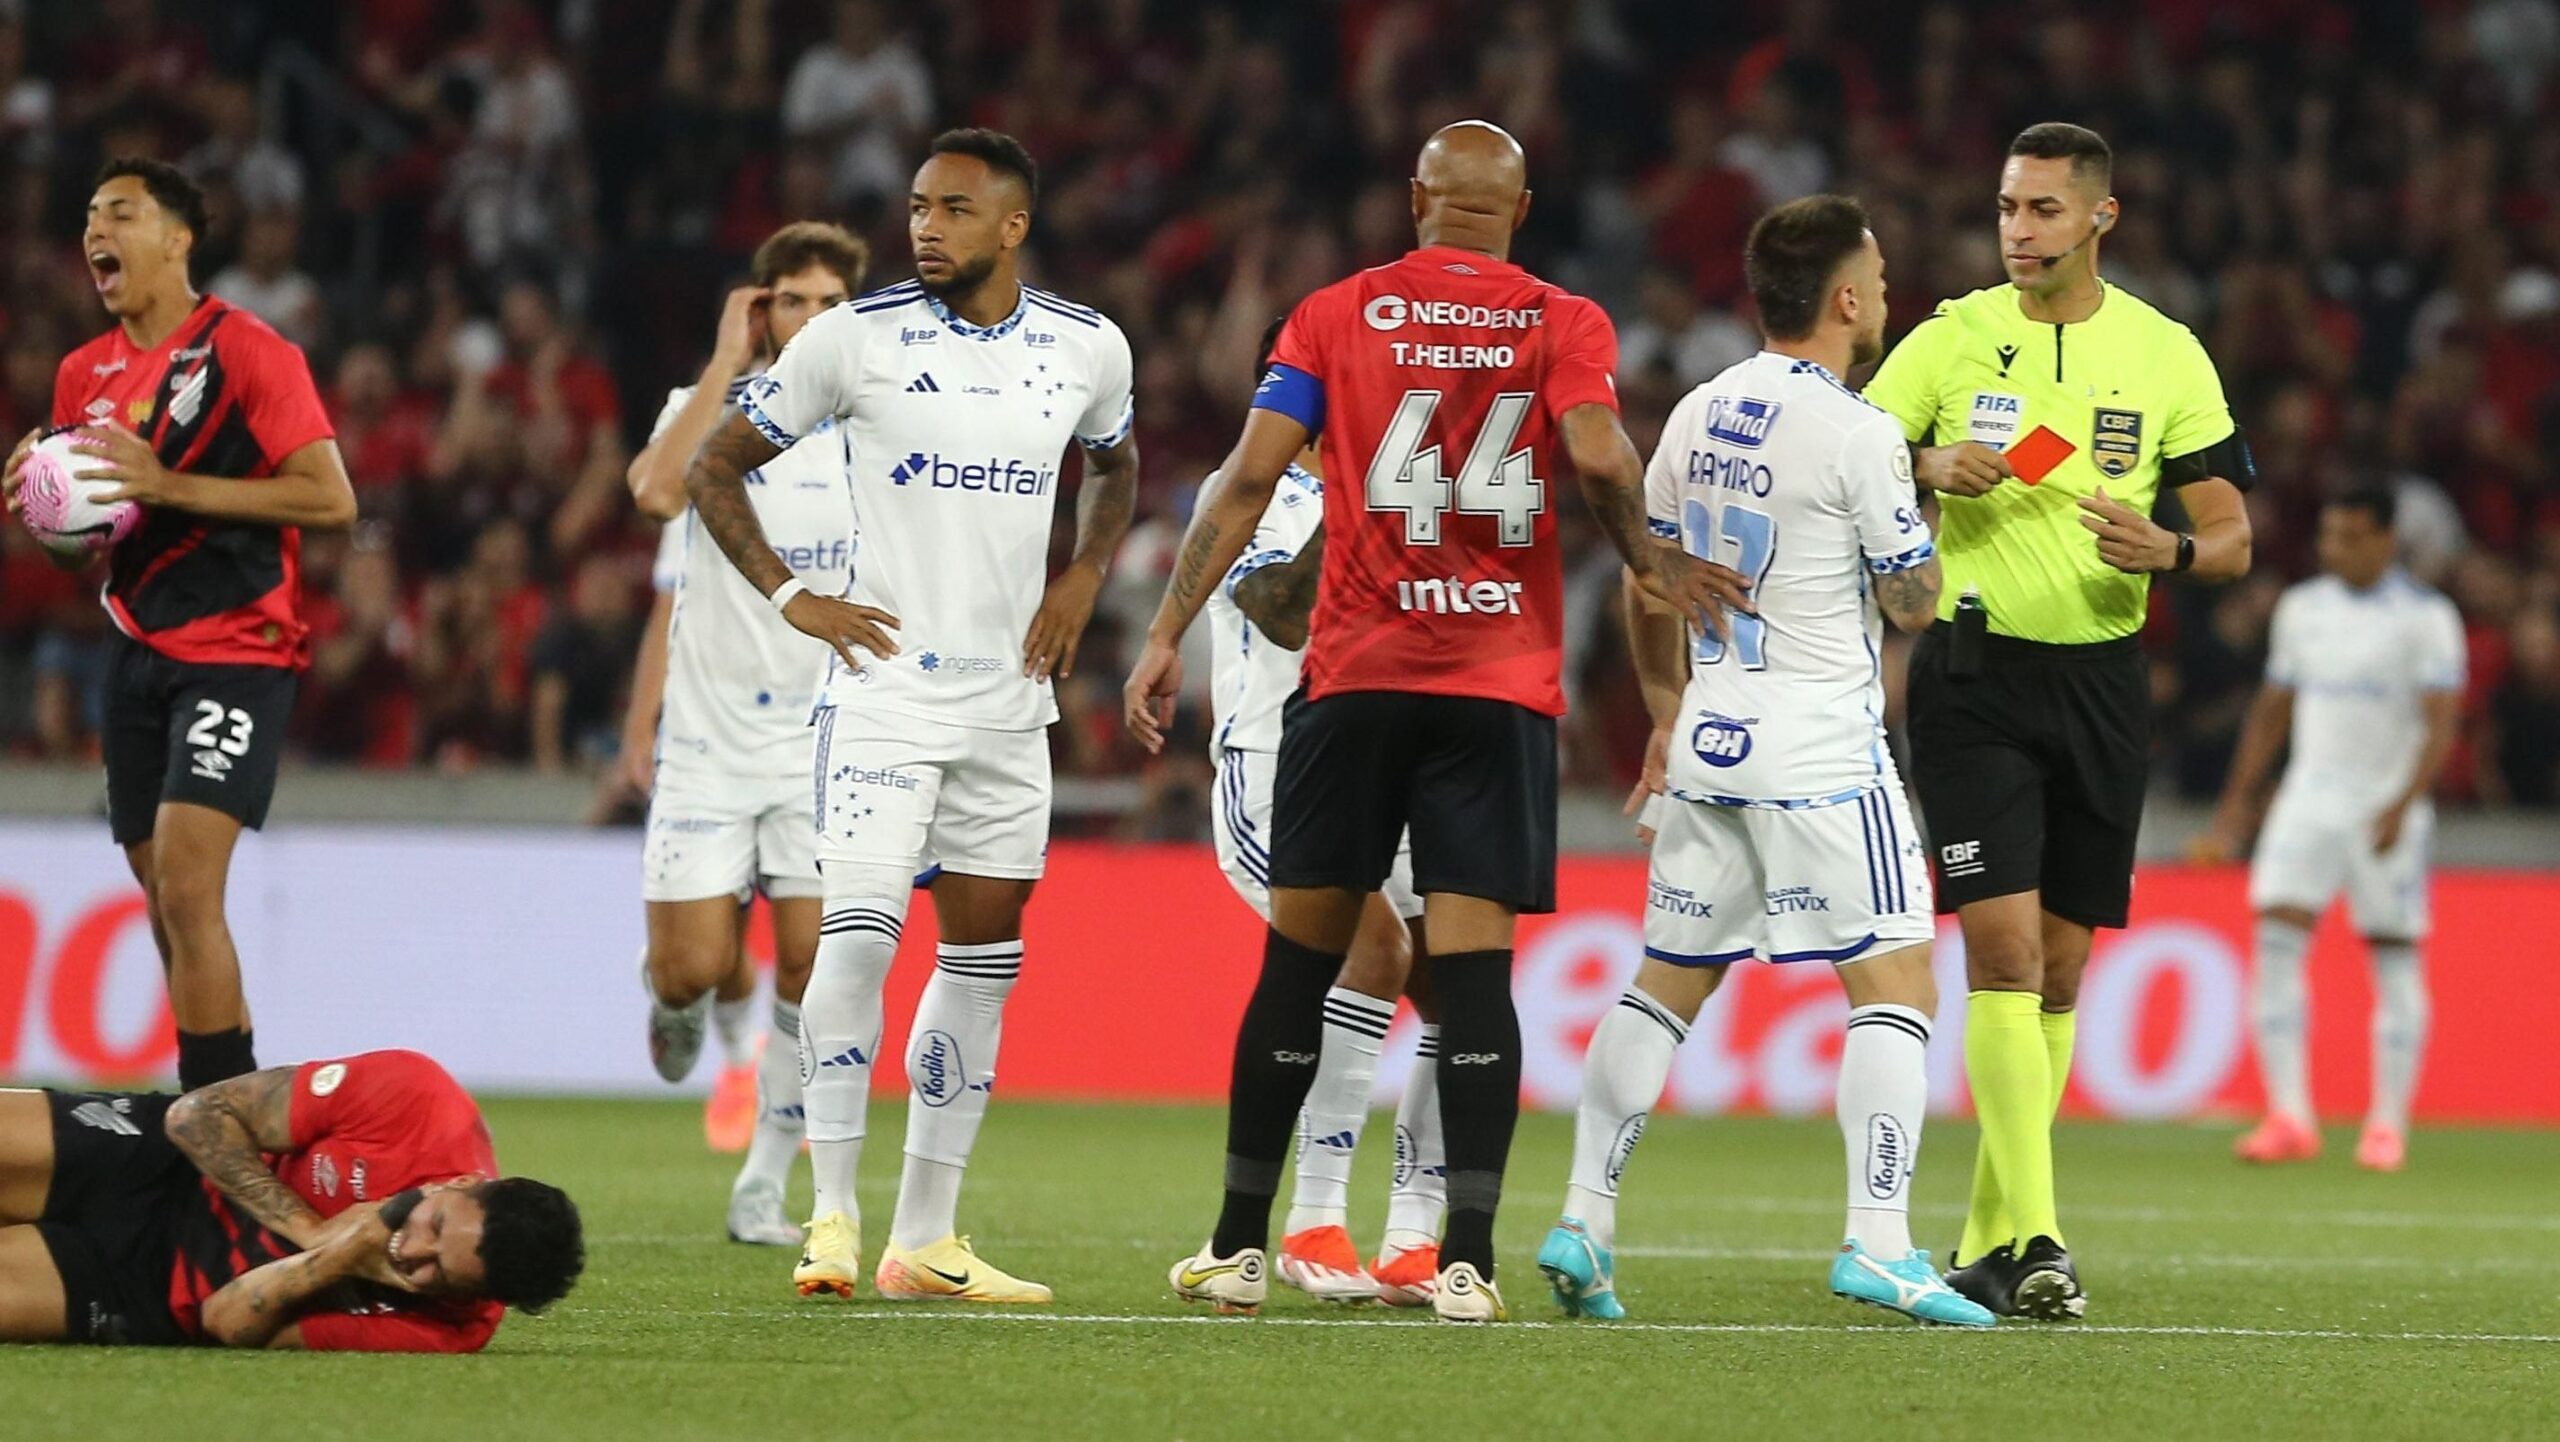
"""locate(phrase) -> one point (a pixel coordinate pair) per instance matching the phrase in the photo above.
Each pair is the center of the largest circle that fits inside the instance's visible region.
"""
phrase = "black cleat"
(2046, 1287)
(1987, 1280)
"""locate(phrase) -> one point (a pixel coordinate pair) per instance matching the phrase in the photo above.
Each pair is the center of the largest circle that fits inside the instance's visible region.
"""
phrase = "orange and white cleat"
(1322, 1263)
(2277, 1140)
(2382, 1148)
(1407, 1276)
(729, 1118)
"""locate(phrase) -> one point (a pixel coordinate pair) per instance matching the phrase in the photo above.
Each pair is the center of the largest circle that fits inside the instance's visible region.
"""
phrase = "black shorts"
(112, 1219)
(1473, 779)
(178, 731)
(2031, 773)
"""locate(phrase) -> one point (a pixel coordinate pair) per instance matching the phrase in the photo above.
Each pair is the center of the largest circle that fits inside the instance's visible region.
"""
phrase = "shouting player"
(1785, 834)
(731, 808)
(1432, 671)
(958, 390)
(351, 1205)
(1258, 619)
(2364, 677)
(209, 420)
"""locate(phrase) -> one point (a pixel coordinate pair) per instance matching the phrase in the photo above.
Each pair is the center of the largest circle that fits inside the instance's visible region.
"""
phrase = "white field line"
(1040, 1319)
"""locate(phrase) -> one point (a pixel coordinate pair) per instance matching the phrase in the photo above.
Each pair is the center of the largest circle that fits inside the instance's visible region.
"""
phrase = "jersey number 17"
(1495, 480)
(1753, 535)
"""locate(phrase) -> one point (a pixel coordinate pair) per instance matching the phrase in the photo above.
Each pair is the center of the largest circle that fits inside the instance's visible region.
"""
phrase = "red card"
(2034, 455)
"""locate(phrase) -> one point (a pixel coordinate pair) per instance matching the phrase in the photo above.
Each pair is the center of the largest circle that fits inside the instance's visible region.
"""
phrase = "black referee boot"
(2047, 1287)
(1987, 1280)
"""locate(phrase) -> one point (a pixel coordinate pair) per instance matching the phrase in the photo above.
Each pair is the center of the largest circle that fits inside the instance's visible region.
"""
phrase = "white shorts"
(908, 791)
(1824, 883)
(716, 834)
(1241, 821)
(2308, 853)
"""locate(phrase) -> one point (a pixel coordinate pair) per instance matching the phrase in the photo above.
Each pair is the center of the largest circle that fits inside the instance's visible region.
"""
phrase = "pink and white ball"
(58, 486)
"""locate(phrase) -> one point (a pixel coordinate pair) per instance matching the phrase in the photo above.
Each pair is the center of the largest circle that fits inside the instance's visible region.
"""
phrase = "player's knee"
(185, 900)
(1680, 990)
(2005, 961)
(791, 978)
(681, 969)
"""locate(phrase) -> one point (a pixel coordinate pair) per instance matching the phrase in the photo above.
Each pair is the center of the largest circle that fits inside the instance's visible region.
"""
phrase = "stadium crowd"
(502, 229)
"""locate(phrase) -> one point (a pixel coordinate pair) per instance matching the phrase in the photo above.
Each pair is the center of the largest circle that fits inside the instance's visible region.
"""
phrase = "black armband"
(2228, 458)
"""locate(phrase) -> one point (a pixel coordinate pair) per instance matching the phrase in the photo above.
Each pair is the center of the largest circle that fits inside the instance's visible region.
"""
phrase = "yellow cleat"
(831, 1257)
(949, 1271)
(1238, 1285)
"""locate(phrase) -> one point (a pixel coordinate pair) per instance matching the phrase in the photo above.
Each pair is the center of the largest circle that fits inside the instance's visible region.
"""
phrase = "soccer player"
(2047, 414)
(1785, 834)
(349, 1205)
(2364, 677)
(731, 807)
(1432, 670)
(1258, 619)
(958, 391)
(208, 419)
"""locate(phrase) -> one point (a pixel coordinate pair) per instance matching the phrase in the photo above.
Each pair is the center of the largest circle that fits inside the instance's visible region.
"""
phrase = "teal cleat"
(1910, 1286)
(1579, 1270)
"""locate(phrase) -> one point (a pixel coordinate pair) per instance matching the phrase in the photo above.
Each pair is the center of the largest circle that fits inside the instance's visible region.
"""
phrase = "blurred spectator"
(863, 95)
(266, 283)
(1674, 333)
(579, 662)
(357, 704)
(2525, 714)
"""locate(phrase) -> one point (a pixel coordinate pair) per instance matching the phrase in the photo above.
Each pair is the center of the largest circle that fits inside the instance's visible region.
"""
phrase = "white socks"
(1622, 1077)
(951, 1067)
(733, 1022)
(1337, 1107)
(1420, 1200)
(1883, 1098)
(840, 1032)
(2399, 1032)
(2279, 1015)
(781, 1116)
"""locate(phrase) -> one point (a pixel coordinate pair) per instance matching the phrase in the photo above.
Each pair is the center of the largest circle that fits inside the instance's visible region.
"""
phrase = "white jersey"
(958, 431)
(740, 680)
(2360, 664)
(1252, 675)
(1777, 470)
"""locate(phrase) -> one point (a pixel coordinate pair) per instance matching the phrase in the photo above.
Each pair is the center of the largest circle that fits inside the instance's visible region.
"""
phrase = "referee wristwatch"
(2186, 553)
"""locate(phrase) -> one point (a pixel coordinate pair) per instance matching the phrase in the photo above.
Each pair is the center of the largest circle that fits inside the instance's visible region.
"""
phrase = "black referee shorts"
(1473, 779)
(112, 1217)
(183, 731)
(2031, 772)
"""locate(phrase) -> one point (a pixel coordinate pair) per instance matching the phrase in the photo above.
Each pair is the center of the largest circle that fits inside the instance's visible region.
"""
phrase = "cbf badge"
(2115, 441)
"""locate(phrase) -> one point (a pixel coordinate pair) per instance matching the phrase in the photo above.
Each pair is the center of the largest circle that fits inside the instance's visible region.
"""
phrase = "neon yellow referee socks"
(1987, 1223)
(2011, 1072)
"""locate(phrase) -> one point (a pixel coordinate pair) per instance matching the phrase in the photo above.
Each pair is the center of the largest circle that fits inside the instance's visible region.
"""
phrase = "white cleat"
(1465, 1296)
(675, 1033)
(1238, 1285)
(756, 1216)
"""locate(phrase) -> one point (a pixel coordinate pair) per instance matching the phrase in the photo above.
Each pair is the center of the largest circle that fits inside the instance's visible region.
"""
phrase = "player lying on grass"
(350, 1205)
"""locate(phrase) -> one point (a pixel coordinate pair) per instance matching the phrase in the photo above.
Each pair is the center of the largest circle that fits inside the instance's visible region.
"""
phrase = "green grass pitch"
(2313, 1302)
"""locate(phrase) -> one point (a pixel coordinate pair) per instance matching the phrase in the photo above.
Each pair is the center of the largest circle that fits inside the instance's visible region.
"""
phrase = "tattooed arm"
(262, 1306)
(1219, 532)
(225, 1127)
(1280, 597)
(1613, 484)
(716, 482)
(1104, 504)
(1910, 597)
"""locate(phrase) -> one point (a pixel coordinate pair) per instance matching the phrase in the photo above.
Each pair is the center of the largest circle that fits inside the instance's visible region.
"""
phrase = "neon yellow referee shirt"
(2126, 389)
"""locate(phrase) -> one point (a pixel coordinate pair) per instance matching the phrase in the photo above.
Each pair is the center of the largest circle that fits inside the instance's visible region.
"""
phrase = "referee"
(2047, 414)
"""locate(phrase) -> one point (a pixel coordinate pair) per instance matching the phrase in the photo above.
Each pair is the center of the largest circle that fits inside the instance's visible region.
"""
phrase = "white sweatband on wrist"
(783, 593)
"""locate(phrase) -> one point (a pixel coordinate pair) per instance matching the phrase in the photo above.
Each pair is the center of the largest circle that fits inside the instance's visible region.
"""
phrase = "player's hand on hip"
(1966, 469)
(2127, 540)
(1701, 591)
(843, 625)
(1065, 609)
(127, 459)
(1147, 701)
(17, 458)
(742, 326)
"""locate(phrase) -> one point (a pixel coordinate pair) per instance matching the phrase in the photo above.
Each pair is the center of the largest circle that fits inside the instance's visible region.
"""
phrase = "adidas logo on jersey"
(923, 385)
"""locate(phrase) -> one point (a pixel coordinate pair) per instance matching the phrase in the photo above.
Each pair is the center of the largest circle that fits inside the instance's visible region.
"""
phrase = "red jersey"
(222, 395)
(365, 1128)
(1436, 383)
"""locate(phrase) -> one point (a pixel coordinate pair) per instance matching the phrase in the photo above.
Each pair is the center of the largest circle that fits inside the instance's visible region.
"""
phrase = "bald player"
(1443, 389)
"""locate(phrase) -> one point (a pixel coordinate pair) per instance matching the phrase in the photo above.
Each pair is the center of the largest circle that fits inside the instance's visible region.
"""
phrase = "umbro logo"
(923, 385)
(2007, 353)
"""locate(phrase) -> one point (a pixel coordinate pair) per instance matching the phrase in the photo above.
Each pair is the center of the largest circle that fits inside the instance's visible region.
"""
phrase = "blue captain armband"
(1293, 393)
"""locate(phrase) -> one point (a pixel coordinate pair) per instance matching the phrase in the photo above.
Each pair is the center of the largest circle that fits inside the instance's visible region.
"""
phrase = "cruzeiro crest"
(2115, 441)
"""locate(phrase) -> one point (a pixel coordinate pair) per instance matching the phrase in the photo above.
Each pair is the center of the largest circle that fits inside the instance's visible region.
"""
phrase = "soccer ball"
(55, 488)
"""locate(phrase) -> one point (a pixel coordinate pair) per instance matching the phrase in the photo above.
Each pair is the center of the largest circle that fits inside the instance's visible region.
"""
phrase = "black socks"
(1479, 1095)
(206, 1057)
(1275, 1064)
